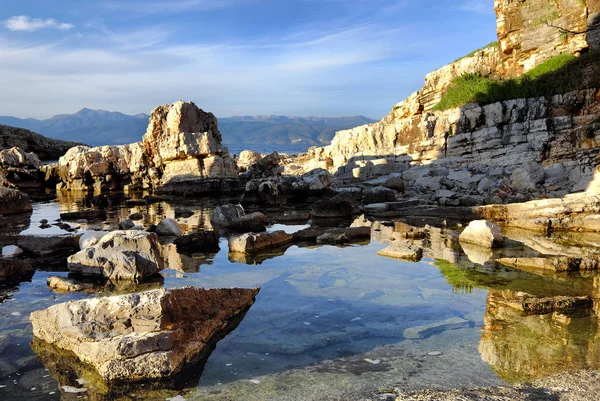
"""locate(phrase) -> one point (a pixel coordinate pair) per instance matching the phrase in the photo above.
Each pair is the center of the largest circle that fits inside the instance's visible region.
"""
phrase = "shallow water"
(329, 322)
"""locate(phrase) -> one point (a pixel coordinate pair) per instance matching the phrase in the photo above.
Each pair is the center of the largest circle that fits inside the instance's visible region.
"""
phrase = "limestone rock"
(90, 238)
(252, 243)
(248, 158)
(128, 255)
(13, 201)
(527, 177)
(403, 249)
(16, 157)
(483, 233)
(66, 284)
(554, 263)
(318, 180)
(169, 228)
(143, 336)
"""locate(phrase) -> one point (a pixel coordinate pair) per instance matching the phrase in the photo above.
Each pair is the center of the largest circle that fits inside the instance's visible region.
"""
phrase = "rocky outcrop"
(151, 335)
(17, 157)
(180, 152)
(44, 148)
(119, 255)
(529, 31)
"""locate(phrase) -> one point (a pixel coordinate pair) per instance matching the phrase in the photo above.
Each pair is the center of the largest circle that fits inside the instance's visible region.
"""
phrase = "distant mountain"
(94, 127)
(101, 127)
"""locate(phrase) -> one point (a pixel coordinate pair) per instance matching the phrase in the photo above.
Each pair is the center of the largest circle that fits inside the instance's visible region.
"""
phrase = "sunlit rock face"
(150, 335)
(527, 338)
(182, 145)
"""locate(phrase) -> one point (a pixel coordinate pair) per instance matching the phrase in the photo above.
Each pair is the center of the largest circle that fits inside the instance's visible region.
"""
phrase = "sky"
(231, 57)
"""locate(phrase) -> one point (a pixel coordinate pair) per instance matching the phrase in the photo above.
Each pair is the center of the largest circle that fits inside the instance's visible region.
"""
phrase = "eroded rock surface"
(150, 335)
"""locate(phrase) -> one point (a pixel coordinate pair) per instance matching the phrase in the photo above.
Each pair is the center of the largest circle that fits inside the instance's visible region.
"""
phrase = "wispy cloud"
(28, 24)
(477, 6)
(166, 6)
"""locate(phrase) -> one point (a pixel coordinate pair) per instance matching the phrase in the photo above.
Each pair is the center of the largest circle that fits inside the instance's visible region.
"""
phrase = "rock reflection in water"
(521, 346)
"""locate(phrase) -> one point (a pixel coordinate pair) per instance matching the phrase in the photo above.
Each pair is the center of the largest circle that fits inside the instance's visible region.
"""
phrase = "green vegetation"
(490, 45)
(560, 74)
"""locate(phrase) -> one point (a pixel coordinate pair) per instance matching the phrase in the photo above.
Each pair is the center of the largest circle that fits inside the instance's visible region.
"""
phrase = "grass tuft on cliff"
(489, 45)
(560, 74)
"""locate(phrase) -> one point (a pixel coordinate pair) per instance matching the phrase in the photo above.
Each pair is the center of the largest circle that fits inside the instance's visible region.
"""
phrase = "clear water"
(329, 322)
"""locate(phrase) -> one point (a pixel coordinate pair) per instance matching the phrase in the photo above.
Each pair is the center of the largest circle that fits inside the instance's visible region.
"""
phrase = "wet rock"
(127, 224)
(143, 336)
(14, 270)
(309, 234)
(427, 330)
(61, 244)
(379, 195)
(292, 217)
(128, 255)
(13, 201)
(169, 228)
(483, 233)
(403, 249)
(90, 238)
(531, 305)
(66, 284)
(252, 243)
(11, 251)
(200, 241)
(233, 217)
(89, 215)
(344, 235)
(343, 205)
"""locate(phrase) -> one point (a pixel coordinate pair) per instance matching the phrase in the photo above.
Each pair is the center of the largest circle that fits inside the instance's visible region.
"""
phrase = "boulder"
(318, 180)
(11, 251)
(395, 182)
(198, 242)
(46, 245)
(483, 233)
(379, 195)
(151, 335)
(233, 217)
(91, 238)
(248, 158)
(342, 205)
(169, 228)
(403, 249)
(183, 212)
(128, 255)
(17, 157)
(13, 201)
(309, 234)
(126, 224)
(252, 243)
(527, 177)
(14, 270)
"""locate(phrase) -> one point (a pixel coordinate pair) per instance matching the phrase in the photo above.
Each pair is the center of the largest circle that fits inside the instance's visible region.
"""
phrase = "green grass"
(560, 74)
(493, 44)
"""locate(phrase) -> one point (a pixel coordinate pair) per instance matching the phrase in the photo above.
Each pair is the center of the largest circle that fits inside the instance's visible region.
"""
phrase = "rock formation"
(45, 148)
(152, 335)
(180, 152)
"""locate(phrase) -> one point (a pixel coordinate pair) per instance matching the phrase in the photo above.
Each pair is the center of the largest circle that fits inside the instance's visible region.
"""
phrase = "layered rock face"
(181, 151)
(528, 31)
(150, 335)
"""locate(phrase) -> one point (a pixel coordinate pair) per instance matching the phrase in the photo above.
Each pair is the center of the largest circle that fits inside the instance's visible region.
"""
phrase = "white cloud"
(28, 24)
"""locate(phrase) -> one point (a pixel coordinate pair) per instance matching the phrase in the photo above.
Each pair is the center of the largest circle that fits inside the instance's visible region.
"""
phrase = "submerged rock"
(427, 330)
(252, 243)
(66, 284)
(149, 335)
(118, 255)
(483, 233)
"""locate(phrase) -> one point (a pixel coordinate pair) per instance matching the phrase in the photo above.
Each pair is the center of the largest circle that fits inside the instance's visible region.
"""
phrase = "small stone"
(228, 364)
(255, 381)
(373, 362)
(434, 353)
(306, 323)
(356, 319)
(74, 390)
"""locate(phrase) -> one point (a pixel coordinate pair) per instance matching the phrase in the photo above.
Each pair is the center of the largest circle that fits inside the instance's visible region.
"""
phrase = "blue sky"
(294, 57)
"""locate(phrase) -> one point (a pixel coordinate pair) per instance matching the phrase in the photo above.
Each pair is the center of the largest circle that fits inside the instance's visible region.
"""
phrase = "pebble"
(356, 319)
(2, 385)
(373, 362)
(306, 323)
(176, 398)
(69, 389)
(434, 353)
(228, 364)
(16, 313)
(254, 381)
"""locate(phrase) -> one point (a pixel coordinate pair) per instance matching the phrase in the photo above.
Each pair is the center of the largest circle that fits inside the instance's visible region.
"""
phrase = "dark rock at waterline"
(100, 200)
(13, 201)
(233, 217)
(57, 245)
(198, 242)
(343, 205)
(379, 195)
(150, 335)
(136, 216)
(309, 234)
(84, 215)
(126, 224)
(15, 270)
(341, 236)
(181, 212)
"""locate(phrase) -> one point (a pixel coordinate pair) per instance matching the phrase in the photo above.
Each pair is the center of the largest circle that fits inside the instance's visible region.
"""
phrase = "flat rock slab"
(252, 243)
(427, 330)
(404, 250)
(150, 335)
(554, 263)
